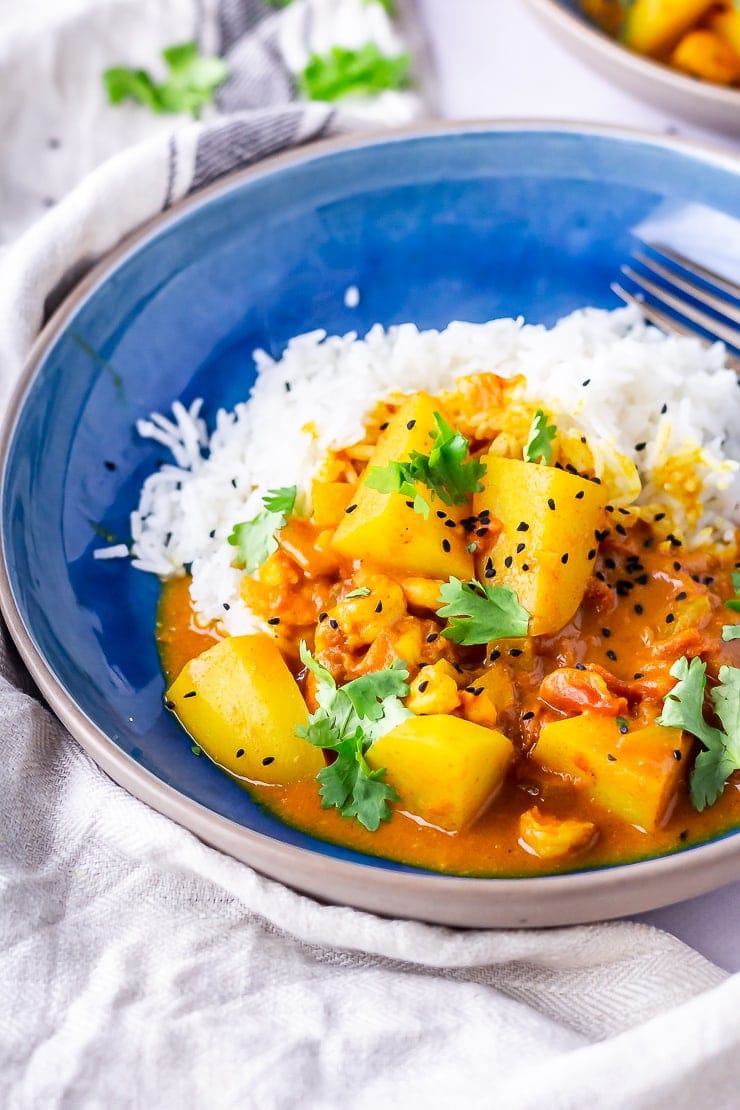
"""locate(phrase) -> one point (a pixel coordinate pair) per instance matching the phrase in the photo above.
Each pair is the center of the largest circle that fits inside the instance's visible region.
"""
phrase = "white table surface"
(493, 59)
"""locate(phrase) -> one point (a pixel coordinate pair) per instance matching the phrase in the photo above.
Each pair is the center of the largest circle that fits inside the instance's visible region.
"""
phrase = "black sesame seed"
(528, 715)
(190, 694)
(274, 620)
(639, 609)
(446, 545)
(610, 564)
(592, 553)
(649, 542)
(670, 618)
(606, 632)
(525, 566)
(709, 581)
(450, 523)
(515, 652)
(600, 575)
(625, 512)
(211, 534)
(664, 410)
(234, 482)
(595, 480)
(580, 666)
(621, 529)
(226, 606)
(239, 753)
(564, 558)
(441, 514)
(684, 834)
(551, 504)
(612, 758)
(659, 516)
(490, 572)
(322, 617)
(642, 579)
(508, 561)
(432, 637)
(383, 426)
(423, 685)
(681, 596)
(333, 623)
(410, 424)
(580, 495)
(611, 655)
(522, 526)
(480, 532)
(601, 535)
(287, 387)
(350, 508)
(495, 654)
(410, 504)
(379, 607)
(640, 446)
(676, 566)
(587, 382)
(677, 755)
(637, 675)
(169, 705)
(268, 760)
(520, 547)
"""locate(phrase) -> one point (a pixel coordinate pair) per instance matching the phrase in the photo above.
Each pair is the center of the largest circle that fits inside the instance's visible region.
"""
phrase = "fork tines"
(675, 293)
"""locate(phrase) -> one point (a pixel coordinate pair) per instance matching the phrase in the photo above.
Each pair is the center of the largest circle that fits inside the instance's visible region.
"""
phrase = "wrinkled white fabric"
(139, 968)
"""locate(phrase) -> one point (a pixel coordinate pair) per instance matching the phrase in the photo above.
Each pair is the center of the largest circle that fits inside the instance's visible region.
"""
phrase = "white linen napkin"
(139, 968)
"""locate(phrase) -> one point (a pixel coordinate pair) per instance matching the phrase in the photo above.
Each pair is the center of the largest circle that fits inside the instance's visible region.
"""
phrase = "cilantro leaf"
(444, 471)
(191, 81)
(361, 591)
(539, 441)
(480, 613)
(255, 539)
(683, 708)
(731, 632)
(348, 721)
(734, 602)
(362, 72)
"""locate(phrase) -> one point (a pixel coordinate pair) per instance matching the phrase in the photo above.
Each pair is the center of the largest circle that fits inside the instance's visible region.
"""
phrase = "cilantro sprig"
(477, 614)
(191, 81)
(255, 539)
(342, 72)
(348, 721)
(539, 441)
(683, 708)
(732, 631)
(444, 471)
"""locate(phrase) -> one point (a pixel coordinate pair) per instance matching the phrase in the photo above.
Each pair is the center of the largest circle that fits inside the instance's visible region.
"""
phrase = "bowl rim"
(555, 899)
(591, 36)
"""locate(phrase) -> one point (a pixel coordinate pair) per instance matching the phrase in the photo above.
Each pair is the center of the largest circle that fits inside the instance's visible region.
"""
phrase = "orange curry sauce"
(648, 602)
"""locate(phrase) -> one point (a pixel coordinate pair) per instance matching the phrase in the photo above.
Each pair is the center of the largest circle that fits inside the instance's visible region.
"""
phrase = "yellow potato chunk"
(552, 837)
(445, 769)
(634, 775)
(707, 55)
(547, 544)
(654, 26)
(328, 502)
(382, 528)
(434, 690)
(241, 704)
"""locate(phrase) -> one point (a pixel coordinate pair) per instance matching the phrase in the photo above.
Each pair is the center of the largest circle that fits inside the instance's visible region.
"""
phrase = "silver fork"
(676, 293)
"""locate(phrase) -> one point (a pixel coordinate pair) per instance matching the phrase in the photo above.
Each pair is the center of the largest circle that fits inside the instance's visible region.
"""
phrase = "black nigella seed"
(640, 446)
(450, 523)
(350, 508)
(639, 609)
(169, 705)
(515, 652)
(226, 606)
(611, 655)
(709, 581)
(379, 607)
(383, 426)
(432, 637)
(190, 694)
(525, 566)
(240, 753)
(522, 527)
(508, 561)
(423, 685)
(610, 508)
(637, 675)
(441, 514)
(520, 547)
(625, 512)
(268, 760)
(211, 534)
(676, 566)
(333, 623)
(580, 666)
(490, 572)
(601, 535)
(600, 575)
(612, 758)
(606, 632)
(570, 468)
(642, 579)
(495, 654)
(621, 529)
(580, 495)
(595, 480)
(681, 596)
(564, 558)
(287, 387)
(551, 504)
(234, 482)
(410, 424)
(658, 517)
(624, 587)
(670, 618)
(664, 410)
(528, 715)
(446, 545)
(322, 617)
(410, 504)
(274, 620)
(673, 540)
(677, 754)
(480, 532)
(587, 382)
(592, 553)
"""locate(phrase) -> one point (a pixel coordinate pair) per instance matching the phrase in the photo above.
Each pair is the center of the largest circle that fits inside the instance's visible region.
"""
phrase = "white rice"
(642, 388)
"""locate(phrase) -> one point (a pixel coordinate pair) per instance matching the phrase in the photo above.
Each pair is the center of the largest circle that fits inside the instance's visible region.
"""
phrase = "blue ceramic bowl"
(715, 107)
(447, 223)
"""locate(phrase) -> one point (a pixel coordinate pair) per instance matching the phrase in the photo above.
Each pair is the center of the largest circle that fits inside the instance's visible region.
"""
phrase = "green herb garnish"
(361, 591)
(444, 471)
(348, 721)
(255, 539)
(683, 708)
(480, 613)
(539, 441)
(191, 82)
(622, 724)
(362, 72)
(732, 631)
